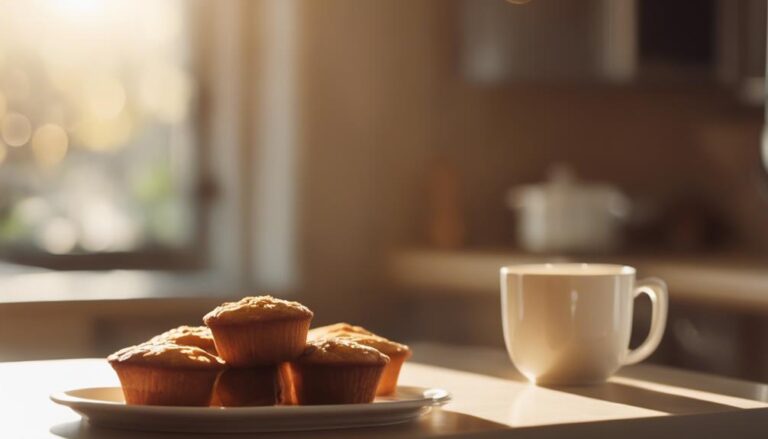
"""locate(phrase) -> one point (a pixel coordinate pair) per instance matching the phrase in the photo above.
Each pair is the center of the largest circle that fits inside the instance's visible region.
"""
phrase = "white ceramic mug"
(569, 324)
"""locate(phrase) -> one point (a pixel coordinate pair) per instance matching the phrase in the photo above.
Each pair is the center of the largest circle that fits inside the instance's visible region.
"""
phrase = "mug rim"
(569, 269)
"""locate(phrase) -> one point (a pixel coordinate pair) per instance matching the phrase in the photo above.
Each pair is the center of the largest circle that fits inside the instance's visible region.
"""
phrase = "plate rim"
(439, 397)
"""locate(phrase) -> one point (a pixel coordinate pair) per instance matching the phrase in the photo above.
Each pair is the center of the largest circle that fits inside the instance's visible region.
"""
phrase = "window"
(148, 147)
(98, 140)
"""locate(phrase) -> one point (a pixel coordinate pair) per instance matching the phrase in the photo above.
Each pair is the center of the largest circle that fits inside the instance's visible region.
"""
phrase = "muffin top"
(198, 336)
(341, 351)
(166, 355)
(381, 344)
(322, 331)
(256, 309)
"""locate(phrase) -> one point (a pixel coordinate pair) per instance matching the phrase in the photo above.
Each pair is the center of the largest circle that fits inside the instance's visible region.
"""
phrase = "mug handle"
(656, 290)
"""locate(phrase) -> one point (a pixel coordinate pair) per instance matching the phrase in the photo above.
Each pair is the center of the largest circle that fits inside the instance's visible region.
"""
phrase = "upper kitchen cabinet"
(548, 40)
(618, 41)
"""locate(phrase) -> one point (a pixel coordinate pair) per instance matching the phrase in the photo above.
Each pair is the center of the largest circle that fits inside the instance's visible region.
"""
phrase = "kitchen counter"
(489, 400)
(721, 281)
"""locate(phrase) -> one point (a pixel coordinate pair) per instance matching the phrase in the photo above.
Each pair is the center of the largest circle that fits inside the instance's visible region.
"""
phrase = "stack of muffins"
(259, 351)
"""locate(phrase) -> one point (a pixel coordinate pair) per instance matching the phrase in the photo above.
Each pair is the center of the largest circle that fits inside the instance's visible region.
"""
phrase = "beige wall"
(366, 83)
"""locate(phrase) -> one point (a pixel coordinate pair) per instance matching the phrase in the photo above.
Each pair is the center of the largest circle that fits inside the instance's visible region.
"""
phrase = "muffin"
(253, 386)
(396, 352)
(322, 331)
(166, 374)
(337, 371)
(198, 336)
(259, 331)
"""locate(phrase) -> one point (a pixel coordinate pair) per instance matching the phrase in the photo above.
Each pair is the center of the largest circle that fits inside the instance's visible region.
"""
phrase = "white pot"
(564, 216)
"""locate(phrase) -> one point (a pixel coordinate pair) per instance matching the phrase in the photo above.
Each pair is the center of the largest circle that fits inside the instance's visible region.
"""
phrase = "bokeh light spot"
(58, 236)
(49, 145)
(16, 129)
(105, 135)
(165, 91)
(104, 97)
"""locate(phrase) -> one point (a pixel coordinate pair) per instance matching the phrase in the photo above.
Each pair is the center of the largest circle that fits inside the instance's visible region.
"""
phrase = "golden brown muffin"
(396, 352)
(257, 331)
(166, 374)
(253, 386)
(323, 331)
(337, 371)
(198, 336)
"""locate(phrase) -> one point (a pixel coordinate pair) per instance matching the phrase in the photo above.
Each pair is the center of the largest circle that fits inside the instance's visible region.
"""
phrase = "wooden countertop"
(641, 400)
(725, 281)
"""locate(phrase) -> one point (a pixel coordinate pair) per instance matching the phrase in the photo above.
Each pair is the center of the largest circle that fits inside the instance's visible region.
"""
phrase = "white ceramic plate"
(105, 407)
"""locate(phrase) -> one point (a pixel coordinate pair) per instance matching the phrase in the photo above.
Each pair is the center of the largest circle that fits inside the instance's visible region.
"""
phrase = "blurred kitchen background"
(378, 160)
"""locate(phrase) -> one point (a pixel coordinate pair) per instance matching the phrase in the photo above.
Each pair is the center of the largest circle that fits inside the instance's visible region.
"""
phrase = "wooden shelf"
(725, 280)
